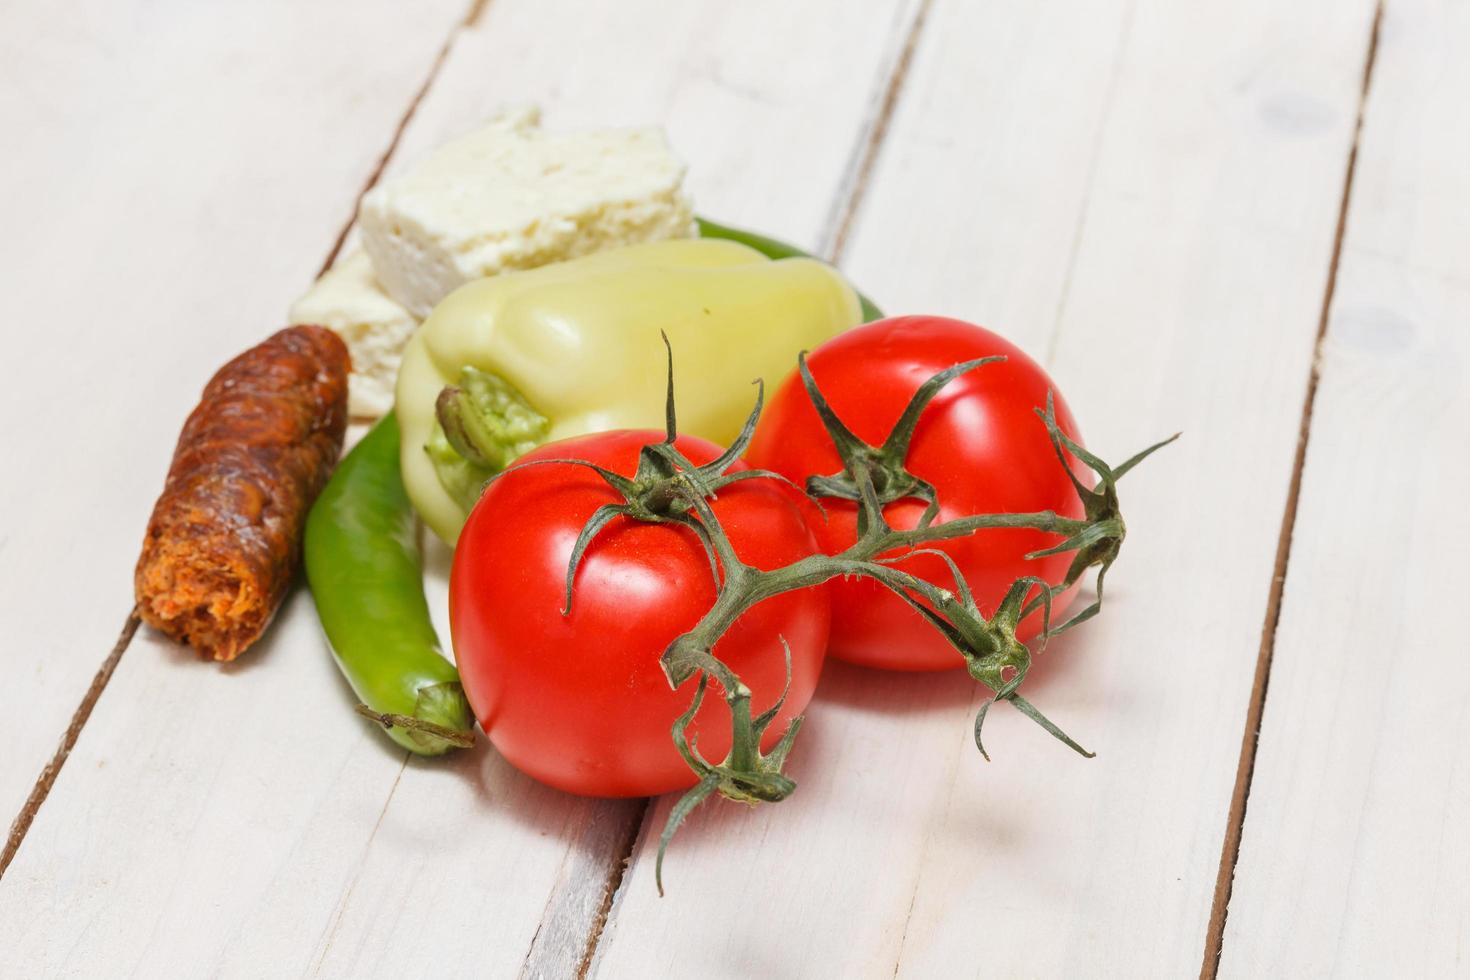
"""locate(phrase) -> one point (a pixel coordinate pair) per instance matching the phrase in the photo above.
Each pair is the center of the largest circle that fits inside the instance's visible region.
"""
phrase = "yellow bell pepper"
(509, 362)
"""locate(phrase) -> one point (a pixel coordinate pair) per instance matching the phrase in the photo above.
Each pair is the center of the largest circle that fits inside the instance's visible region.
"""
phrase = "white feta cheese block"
(512, 196)
(348, 300)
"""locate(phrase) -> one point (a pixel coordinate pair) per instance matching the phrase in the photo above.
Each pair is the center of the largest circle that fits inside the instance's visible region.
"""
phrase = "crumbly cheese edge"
(419, 266)
(347, 301)
(668, 214)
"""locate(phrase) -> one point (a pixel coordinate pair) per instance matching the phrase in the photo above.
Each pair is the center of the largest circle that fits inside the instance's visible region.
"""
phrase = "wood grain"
(173, 176)
(1145, 195)
(245, 822)
(1361, 795)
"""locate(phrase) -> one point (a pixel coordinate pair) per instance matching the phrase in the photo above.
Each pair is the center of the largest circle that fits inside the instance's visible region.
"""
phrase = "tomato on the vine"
(979, 443)
(579, 701)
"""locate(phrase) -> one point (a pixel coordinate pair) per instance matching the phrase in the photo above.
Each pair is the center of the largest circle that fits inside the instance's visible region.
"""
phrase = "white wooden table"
(1246, 219)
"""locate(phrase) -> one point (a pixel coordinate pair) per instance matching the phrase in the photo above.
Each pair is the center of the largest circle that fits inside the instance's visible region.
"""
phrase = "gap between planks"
(617, 871)
(44, 782)
(859, 171)
(42, 788)
(1250, 738)
(470, 19)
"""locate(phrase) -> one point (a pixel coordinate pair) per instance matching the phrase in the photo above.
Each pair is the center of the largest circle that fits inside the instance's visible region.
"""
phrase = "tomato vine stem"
(669, 488)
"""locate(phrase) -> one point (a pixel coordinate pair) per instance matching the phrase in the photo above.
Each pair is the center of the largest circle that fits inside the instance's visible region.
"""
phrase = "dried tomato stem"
(388, 720)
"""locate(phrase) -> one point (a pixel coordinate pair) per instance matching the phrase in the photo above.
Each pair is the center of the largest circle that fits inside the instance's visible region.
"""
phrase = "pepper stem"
(483, 423)
(427, 733)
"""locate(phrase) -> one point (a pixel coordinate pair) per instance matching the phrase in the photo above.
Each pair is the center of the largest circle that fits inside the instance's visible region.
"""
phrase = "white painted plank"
(173, 174)
(243, 821)
(1361, 793)
(1145, 195)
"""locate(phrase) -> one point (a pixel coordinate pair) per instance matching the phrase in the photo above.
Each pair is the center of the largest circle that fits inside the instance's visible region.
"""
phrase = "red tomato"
(979, 443)
(580, 701)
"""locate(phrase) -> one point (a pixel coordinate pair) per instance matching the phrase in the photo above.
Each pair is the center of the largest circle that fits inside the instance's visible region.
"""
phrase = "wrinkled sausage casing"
(225, 536)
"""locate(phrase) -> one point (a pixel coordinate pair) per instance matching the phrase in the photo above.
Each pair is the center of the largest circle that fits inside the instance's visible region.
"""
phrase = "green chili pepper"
(366, 575)
(771, 248)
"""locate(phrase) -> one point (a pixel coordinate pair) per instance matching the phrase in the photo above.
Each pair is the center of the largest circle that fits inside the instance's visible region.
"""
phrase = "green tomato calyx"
(882, 467)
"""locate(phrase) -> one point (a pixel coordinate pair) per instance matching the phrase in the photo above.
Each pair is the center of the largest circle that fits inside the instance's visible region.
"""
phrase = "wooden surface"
(1361, 796)
(173, 179)
(1245, 220)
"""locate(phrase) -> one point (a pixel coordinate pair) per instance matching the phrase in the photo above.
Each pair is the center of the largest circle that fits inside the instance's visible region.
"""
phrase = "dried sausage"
(225, 536)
